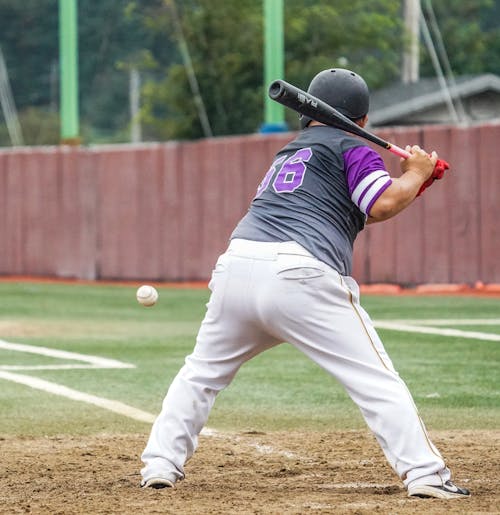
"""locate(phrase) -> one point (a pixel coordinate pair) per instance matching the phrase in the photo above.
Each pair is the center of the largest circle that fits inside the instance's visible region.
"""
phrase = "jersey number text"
(291, 172)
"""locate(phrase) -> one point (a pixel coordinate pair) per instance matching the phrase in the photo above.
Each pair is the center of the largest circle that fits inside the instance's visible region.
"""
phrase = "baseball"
(147, 295)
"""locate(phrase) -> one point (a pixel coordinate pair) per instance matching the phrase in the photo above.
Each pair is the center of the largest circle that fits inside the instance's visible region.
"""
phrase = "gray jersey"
(317, 192)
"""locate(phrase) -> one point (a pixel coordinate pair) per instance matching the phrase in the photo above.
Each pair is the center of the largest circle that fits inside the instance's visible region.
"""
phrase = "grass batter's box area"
(84, 368)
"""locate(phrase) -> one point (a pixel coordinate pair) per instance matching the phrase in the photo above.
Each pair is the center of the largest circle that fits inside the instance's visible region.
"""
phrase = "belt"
(266, 248)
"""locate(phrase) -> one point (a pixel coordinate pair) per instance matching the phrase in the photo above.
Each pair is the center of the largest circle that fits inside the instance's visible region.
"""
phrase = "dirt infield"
(244, 473)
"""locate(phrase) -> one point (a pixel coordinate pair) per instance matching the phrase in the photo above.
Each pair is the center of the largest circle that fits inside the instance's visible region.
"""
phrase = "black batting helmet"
(342, 89)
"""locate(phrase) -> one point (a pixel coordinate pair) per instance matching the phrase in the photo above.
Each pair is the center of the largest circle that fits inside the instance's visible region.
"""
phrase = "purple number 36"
(291, 172)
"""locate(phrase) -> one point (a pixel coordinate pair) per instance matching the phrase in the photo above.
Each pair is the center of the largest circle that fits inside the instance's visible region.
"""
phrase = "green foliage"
(471, 34)
(40, 127)
(365, 36)
(227, 60)
(106, 37)
(225, 43)
(28, 37)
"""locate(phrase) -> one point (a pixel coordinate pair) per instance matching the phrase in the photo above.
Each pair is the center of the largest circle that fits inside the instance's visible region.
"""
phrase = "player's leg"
(226, 339)
(322, 317)
(421, 474)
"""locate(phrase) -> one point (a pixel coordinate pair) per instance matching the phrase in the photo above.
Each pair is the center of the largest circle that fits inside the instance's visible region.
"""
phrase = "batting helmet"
(342, 89)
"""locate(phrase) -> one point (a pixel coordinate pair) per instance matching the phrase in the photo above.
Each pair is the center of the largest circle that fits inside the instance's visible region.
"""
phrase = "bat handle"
(398, 151)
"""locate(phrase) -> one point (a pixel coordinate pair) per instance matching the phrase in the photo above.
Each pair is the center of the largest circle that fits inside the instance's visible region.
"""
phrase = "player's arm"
(403, 190)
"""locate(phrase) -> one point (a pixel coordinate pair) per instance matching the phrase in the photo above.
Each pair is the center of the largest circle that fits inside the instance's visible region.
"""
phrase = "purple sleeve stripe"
(368, 201)
(365, 183)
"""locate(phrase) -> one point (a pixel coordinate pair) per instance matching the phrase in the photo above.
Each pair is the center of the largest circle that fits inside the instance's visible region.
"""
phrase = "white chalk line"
(407, 326)
(94, 361)
(450, 321)
(58, 389)
(50, 367)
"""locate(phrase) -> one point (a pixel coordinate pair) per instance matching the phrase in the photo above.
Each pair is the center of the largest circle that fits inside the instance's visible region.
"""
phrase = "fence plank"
(488, 204)
(148, 222)
(171, 173)
(393, 245)
(77, 206)
(409, 225)
(464, 222)
(15, 185)
(214, 235)
(233, 170)
(118, 207)
(191, 221)
(44, 220)
(4, 268)
(437, 203)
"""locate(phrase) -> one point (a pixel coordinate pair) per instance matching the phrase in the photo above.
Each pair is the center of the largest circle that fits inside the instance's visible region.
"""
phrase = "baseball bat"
(311, 106)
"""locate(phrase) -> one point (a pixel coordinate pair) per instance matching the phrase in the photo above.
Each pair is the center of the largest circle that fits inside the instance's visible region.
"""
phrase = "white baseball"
(147, 295)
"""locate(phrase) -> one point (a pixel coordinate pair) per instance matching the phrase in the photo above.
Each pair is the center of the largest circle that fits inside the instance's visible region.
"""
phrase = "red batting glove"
(438, 172)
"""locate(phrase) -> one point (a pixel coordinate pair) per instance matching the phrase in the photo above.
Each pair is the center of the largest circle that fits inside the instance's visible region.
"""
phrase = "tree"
(225, 44)
(111, 38)
(28, 36)
(225, 40)
(364, 36)
(471, 34)
(108, 36)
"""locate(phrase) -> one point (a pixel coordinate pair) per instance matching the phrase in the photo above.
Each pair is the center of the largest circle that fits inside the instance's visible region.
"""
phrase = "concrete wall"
(165, 211)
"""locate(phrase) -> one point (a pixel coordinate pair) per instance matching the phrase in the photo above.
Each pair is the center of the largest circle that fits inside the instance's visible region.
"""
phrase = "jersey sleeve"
(366, 176)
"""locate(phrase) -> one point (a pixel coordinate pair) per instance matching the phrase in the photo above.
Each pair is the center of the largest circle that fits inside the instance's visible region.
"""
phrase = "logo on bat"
(304, 99)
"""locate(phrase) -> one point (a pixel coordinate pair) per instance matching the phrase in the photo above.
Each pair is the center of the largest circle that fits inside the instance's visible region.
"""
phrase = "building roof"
(399, 100)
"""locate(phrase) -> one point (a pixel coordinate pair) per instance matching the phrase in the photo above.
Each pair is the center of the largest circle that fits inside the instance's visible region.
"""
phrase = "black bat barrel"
(277, 89)
(312, 107)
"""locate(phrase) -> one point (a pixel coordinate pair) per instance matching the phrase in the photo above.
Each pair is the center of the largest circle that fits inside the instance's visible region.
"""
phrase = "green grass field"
(454, 379)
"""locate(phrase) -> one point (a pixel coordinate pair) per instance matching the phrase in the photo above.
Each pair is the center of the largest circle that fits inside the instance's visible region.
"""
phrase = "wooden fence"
(163, 212)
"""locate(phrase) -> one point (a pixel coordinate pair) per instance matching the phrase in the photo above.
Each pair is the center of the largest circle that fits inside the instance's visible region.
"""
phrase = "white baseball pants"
(267, 293)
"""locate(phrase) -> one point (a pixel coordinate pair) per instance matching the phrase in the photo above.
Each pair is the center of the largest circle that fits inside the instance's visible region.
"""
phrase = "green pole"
(68, 58)
(274, 113)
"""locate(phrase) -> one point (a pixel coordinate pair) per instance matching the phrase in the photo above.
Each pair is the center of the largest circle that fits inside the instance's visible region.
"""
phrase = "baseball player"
(286, 277)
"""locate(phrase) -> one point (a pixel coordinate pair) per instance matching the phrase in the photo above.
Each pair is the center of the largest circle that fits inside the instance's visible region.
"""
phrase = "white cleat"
(446, 491)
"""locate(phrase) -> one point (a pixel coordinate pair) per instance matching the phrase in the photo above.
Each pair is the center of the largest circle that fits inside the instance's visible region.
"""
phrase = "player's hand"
(419, 162)
(439, 170)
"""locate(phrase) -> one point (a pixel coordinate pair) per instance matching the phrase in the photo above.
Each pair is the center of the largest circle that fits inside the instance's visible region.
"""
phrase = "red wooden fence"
(165, 211)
